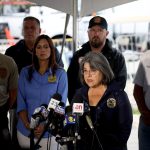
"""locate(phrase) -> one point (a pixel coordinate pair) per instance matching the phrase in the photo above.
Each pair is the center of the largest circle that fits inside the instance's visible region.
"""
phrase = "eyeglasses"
(89, 72)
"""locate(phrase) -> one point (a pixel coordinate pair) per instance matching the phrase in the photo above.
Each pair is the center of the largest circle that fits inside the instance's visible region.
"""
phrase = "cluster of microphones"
(61, 121)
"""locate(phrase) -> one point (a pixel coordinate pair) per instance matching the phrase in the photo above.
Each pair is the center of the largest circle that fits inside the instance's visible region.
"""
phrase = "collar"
(49, 70)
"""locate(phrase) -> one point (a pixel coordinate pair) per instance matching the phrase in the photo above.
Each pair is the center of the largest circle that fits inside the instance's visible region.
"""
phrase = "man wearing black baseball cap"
(97, 33)
(99, 21)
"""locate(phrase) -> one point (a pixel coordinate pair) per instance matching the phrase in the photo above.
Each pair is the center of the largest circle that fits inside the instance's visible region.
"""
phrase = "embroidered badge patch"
(97, 20)
(51, 78)
(111, 103)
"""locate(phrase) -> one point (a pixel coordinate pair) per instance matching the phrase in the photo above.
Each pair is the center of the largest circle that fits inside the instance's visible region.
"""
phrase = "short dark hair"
(32, 18)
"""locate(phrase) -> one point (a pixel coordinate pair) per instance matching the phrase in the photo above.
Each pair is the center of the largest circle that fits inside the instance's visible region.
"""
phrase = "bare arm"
(139, 98)
(12, 97)
(24, 117)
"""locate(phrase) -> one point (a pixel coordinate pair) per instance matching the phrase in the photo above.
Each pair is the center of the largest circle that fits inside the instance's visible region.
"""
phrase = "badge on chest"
(52, 78)
(111, 103)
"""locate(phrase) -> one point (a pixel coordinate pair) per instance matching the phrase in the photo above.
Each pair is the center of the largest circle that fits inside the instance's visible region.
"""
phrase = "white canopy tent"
(70, 7)
(87, 6)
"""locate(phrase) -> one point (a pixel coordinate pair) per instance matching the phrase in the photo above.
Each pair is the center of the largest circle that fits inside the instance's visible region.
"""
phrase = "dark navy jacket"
(114, 57)
(19, 52)
(112, 119)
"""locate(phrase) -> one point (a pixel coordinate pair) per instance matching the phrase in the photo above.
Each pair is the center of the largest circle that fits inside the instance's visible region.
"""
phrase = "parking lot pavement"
(133, 139)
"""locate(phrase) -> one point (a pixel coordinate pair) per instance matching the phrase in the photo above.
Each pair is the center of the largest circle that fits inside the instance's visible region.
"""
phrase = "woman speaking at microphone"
(110, 109)
(37, 85)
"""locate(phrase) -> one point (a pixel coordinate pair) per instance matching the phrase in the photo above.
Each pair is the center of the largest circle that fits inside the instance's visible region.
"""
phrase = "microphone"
(89, 121)
(40, 114)
(56, 124)
(87, 115)
(55, 100)
(78, 108)
(83, 108)
(44, 111)
(70, 118)
(68, 130)
(78, 111)
(69, 122)
(60, 108)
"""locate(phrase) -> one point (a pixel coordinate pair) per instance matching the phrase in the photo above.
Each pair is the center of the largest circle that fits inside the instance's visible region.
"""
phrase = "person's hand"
(27, 125)
(38, 130)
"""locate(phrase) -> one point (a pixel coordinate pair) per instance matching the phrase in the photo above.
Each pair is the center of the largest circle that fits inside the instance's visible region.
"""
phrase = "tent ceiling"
(87, 6)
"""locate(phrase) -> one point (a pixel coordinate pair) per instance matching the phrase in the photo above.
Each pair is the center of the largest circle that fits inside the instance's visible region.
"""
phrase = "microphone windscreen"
(44, 111)
(55, 100)
(37, 110)
(62, 104)
(68, 109)
(57, 96)
(44, 105)
(77, 99)
(60, 109)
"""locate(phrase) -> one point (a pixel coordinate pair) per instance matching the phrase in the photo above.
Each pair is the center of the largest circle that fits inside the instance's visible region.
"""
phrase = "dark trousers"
(5, 139)
(13, 128)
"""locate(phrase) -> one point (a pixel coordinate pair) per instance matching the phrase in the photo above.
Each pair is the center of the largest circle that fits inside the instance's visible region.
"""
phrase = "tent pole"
(64, 35)
(75, 11)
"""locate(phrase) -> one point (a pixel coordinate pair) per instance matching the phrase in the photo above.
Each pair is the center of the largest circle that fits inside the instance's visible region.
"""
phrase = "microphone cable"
(99, 143)
(57, 146)
(89, 121)
(49, 142)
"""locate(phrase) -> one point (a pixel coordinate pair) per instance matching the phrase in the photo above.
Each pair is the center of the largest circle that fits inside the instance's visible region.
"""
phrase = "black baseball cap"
(97, 20)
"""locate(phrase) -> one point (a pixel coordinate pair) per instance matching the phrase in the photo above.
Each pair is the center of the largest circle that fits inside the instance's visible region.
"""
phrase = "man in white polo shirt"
(142, 96)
